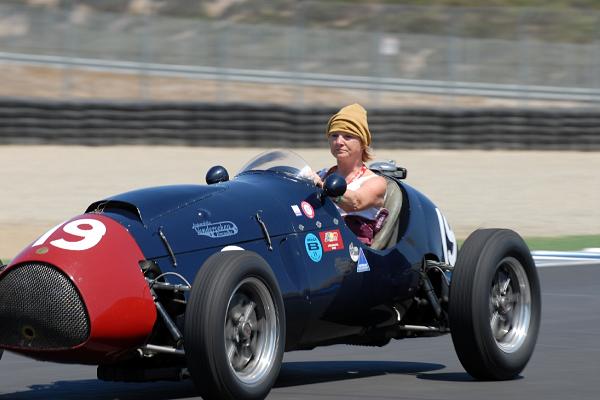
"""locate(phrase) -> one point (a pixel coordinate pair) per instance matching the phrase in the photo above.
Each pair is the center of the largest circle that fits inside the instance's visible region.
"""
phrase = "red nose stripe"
(102, 259)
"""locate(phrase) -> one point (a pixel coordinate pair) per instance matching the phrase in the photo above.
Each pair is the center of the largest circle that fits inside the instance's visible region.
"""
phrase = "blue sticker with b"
(313, 247)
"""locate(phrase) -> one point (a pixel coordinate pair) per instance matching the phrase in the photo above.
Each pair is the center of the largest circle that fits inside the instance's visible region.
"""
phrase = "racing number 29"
(89, 237)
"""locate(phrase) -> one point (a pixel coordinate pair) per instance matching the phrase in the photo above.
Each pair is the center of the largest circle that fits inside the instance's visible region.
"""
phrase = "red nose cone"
(89, 268)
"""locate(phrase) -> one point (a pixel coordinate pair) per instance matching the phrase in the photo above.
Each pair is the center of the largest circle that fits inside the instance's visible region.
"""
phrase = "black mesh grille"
(41, 309)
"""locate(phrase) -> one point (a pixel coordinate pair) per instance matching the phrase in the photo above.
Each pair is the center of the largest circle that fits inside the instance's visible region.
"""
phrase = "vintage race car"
(216, 281)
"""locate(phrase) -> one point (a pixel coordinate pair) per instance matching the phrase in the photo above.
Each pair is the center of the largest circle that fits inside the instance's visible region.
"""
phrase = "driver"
(349, 141)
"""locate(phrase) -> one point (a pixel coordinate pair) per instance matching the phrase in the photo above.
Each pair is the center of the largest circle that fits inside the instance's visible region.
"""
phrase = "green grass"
(565, 243)
(556, 4)
(561, 243)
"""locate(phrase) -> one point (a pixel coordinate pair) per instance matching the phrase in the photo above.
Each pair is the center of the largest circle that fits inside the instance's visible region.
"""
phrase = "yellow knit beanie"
(352, 120)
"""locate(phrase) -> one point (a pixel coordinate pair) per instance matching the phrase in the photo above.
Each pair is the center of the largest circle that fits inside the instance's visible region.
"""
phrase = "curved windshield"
(281, 161)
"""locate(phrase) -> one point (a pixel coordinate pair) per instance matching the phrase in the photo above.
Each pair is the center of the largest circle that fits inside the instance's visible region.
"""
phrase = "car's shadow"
(94, 389)
(292, 374)
(453, 377)
(309, 372)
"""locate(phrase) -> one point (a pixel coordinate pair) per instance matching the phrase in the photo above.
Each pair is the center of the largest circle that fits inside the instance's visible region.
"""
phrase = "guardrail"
(530, 92)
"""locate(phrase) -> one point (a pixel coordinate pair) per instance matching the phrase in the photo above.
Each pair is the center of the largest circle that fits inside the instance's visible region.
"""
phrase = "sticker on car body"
(363, 264)
(296, 210)
(215, 230)
(331, 240)
(354, 252)
(307, 209)
(313, 247)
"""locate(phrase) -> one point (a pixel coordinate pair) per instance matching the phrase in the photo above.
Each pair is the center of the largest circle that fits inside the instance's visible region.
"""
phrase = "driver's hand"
(308, 173)
(316, 179)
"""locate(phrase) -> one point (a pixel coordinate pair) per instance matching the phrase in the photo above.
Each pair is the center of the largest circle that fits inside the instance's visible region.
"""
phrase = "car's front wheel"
(234, 327)
(495, 304)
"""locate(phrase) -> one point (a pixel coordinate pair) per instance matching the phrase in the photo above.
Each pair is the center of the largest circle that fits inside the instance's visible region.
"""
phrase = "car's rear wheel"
(234, 327)
(495, 304)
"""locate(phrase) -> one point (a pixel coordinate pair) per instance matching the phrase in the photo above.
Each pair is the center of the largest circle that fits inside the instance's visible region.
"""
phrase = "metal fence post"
(222, 60)
(452, 54)
(524, 70)
(65, 42)
(296, 50)
(377, 61)
(595, 62)
(145, 58)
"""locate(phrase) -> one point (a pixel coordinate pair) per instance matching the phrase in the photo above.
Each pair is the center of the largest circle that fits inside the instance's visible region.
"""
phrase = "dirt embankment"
(535, 193)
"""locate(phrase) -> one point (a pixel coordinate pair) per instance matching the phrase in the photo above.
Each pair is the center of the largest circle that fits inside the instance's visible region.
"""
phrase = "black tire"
(245, 363)
(495, 304)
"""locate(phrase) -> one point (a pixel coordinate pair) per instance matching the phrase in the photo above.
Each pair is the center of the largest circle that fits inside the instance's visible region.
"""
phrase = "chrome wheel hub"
(510, 305)
(251, 327)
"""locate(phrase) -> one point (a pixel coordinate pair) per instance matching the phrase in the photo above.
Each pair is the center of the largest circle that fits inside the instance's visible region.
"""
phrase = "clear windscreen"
(281, 161)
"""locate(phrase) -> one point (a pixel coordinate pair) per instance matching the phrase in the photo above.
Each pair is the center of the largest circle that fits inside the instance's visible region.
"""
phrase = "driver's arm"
(370, 194)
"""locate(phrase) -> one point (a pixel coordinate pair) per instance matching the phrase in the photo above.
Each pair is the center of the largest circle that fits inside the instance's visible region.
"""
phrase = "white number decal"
(46, 235)
(449, 245)
(89, 237)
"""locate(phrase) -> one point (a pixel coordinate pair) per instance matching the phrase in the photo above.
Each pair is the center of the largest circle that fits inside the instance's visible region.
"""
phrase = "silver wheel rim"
(251, 327)
(510, 305)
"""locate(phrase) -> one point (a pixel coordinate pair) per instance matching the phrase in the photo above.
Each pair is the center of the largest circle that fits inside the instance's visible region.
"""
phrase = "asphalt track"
(565, 365)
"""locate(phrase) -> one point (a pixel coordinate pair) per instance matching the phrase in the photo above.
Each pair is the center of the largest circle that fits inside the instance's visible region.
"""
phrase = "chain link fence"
(299, 52)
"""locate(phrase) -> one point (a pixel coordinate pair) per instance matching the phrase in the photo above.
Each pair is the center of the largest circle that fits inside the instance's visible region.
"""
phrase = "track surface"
(565, 364)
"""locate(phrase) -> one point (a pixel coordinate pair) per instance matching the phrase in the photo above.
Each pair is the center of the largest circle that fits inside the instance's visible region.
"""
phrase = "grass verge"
(564, 243)
(561, 243)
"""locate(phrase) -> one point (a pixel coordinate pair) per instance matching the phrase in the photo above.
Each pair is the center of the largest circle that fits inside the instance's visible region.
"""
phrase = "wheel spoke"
(495, 302)
(256, 338)
(494, 322)
(499, 325)
(234, 313)
(238, 363)
(243, 358)
(231, 351)
(248, 310)
(502, 332)
(501, 280)
(230, 328)
(505, 285)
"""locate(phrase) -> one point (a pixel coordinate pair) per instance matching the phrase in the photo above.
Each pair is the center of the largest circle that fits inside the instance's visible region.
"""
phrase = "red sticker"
(307, 209)
(331, 240)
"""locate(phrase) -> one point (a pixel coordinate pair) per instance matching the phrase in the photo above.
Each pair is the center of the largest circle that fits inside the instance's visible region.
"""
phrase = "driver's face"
(344, 145)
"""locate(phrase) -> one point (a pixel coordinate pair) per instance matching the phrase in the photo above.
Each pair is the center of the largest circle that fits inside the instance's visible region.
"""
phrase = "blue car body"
(329, 295)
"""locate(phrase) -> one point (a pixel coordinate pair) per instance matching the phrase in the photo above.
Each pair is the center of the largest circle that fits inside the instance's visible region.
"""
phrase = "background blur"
(511, 53)
(444, 82)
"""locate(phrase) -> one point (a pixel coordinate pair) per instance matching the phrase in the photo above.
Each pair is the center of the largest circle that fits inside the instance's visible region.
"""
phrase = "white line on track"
(565, 258)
